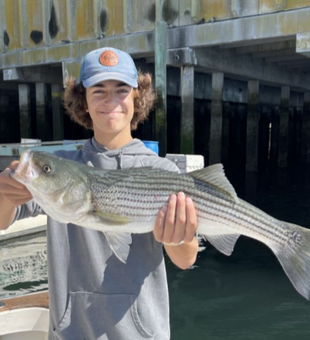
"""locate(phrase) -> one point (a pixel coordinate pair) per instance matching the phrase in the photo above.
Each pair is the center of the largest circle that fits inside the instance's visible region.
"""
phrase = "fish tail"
(295, 258)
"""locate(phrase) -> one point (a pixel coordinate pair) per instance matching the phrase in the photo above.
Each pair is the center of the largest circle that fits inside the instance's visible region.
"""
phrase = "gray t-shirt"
(93, 295)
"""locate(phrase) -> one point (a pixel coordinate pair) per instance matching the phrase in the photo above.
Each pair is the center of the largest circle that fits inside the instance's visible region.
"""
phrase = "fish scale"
(122, 202)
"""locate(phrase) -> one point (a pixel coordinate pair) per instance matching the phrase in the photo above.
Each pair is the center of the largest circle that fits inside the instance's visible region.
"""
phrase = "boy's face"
(111, 107)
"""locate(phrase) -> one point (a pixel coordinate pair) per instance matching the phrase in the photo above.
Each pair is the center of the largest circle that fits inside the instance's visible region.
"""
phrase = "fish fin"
(119, 243)
(214, 175)
(295, 258)
(110, 218)
(219, 236)
(223, 243)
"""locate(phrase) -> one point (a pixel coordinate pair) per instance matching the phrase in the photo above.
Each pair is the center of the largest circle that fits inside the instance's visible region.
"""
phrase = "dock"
(232, 76)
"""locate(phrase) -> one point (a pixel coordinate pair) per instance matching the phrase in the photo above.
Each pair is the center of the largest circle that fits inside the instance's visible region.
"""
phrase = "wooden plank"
(26, 301)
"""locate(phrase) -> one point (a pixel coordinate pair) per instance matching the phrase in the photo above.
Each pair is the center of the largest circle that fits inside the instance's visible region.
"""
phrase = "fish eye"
(46, 168)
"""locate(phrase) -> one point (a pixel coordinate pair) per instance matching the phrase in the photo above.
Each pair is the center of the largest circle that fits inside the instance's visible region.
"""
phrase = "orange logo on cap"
(108, 58)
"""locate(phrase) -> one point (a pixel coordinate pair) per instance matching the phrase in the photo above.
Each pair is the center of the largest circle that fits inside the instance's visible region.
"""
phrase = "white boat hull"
(25, 318)
(24, 324)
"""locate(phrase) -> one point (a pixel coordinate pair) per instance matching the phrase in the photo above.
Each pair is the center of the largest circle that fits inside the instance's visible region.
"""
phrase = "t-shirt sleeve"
(29, 209)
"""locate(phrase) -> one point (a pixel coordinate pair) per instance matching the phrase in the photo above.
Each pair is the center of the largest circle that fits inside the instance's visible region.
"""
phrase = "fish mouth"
(26, 171)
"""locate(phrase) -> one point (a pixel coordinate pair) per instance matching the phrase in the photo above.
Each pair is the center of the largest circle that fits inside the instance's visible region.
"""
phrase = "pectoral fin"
(119, 243)
(110, 218)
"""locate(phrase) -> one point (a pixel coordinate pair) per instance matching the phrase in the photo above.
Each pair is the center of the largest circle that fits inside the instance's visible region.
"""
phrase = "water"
(246, 296)
(23, 265)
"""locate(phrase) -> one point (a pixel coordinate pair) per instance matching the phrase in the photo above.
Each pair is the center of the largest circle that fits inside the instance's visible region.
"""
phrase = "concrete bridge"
(207, 55)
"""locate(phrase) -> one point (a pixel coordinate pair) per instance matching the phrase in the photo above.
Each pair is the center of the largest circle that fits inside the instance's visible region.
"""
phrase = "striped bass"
(122, 202)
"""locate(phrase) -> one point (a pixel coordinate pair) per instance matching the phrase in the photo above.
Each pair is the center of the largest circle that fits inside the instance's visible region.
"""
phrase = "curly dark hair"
(75, 101)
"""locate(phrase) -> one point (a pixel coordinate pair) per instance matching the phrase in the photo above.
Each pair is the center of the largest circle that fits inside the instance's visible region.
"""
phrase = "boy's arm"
(177, 223)
(12, 194)
(8, 212)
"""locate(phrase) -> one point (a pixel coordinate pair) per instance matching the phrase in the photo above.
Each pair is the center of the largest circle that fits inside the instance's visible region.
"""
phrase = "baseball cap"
(108, 63)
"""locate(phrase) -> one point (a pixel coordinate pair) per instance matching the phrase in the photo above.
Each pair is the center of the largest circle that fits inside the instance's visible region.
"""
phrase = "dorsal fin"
(214, 175)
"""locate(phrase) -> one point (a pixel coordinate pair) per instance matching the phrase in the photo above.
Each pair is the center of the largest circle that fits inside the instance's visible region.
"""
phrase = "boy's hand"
(12, 191)
(176, 222)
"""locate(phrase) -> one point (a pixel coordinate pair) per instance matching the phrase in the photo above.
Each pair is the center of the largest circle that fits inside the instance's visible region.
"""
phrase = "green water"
(246, 296)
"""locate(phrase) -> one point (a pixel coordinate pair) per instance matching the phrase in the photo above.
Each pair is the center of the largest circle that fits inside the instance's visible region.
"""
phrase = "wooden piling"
(160, 79)
(274, 142)
(283, 126)
(264, 138)
(58, 121)
(216, 118)
(225, 132)
(297, 135)
(187, 113)
(305, 135)
(24, 109)
(41, 102)
(252, 126)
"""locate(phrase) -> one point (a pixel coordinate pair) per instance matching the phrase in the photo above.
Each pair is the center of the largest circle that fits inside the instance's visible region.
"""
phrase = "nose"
(109, 98)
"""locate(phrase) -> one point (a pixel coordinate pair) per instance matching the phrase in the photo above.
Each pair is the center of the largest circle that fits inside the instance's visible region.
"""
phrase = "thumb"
(13, 165)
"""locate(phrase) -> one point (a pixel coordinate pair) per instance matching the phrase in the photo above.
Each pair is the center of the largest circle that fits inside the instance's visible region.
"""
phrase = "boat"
(25, 317)
(12, 151)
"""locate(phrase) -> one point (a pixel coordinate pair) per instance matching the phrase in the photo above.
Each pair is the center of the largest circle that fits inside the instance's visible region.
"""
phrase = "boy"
(92, 294)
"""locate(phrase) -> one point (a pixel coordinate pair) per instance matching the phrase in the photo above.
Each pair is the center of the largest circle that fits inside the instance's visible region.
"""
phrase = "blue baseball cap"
(108, 63)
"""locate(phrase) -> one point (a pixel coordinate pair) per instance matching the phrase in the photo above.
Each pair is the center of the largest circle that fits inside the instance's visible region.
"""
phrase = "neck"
(113, 142)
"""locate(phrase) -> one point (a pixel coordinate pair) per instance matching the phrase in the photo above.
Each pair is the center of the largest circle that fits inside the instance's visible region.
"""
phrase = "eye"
(123, 90)
(98, 91)
(46, 168)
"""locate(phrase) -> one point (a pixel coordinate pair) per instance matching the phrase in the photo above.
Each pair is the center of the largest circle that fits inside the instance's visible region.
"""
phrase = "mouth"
(25, 171)
(110, 112)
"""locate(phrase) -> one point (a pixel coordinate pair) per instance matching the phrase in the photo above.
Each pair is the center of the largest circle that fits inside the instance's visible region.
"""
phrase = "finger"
(10, 186)
(16, 196)
(6, 179)
(159, 224)
(13, 165)
(180, 225)
(19, 202)
(17, 199)
(191, 222)
(7, 189)
(170, 219)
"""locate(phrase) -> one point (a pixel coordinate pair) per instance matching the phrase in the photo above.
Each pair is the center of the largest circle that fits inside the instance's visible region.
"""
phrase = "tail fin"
(295, 258)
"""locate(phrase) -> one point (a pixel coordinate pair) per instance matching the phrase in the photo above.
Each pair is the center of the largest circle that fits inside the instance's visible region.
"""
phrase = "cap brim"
(110, 76)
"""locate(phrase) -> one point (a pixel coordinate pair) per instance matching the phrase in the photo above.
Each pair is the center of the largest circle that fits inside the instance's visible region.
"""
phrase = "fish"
(123, 202)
